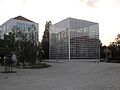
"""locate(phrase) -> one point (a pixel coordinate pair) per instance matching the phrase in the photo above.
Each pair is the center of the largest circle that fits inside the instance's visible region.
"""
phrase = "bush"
(37, 66)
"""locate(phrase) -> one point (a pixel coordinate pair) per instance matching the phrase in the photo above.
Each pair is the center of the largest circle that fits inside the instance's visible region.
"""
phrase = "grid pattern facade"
(74, 39)
(59, 45)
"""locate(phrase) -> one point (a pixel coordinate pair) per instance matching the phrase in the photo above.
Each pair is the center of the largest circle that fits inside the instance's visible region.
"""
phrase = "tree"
(9, 42)
(45, 41)
(39, 53)
(115, 47)
(27, 50)
(2, 51)
(102, 54)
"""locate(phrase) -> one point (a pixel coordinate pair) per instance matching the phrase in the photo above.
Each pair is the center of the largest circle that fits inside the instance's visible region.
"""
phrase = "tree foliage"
(6, 47)
(115, 47)
(27, 51)
(102, 54)
(45, 41)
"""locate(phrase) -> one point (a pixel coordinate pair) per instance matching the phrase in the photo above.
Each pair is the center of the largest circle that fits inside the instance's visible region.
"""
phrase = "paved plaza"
(69, 75)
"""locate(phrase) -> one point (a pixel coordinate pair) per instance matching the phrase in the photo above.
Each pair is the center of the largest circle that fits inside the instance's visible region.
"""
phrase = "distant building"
(74, 39)
(23, 28)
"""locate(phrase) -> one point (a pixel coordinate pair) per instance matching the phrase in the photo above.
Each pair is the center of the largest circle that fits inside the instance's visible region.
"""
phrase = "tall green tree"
(45, 41)
(9, 44)
(2, 50)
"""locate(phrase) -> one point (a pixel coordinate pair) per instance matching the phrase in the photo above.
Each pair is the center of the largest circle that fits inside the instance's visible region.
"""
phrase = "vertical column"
(99, 51)
(99, 41)
(69, 42)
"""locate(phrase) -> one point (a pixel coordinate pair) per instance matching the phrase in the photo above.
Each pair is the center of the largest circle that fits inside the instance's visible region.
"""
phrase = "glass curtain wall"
(59, 44)
(84, 43)
(74, 39)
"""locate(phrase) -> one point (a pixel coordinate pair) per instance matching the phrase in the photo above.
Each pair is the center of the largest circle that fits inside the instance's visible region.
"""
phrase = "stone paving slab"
(64, 76)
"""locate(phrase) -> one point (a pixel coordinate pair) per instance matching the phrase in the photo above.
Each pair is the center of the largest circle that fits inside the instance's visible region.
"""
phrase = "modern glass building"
(74, 39)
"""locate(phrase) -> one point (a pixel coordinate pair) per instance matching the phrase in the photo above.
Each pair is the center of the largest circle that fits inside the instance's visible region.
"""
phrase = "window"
(7, 26)
(85, 29)
(58, 36)
(4, 28)
(28, 28)
(0, 29)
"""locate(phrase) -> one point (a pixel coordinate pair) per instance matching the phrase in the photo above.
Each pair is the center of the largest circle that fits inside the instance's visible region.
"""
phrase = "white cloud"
(90, 3)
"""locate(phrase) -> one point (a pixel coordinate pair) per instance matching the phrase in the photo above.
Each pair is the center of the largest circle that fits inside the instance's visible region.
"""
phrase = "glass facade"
(74, 39)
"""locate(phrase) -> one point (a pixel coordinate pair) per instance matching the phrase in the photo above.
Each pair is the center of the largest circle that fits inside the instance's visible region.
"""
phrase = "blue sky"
(105, 12)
